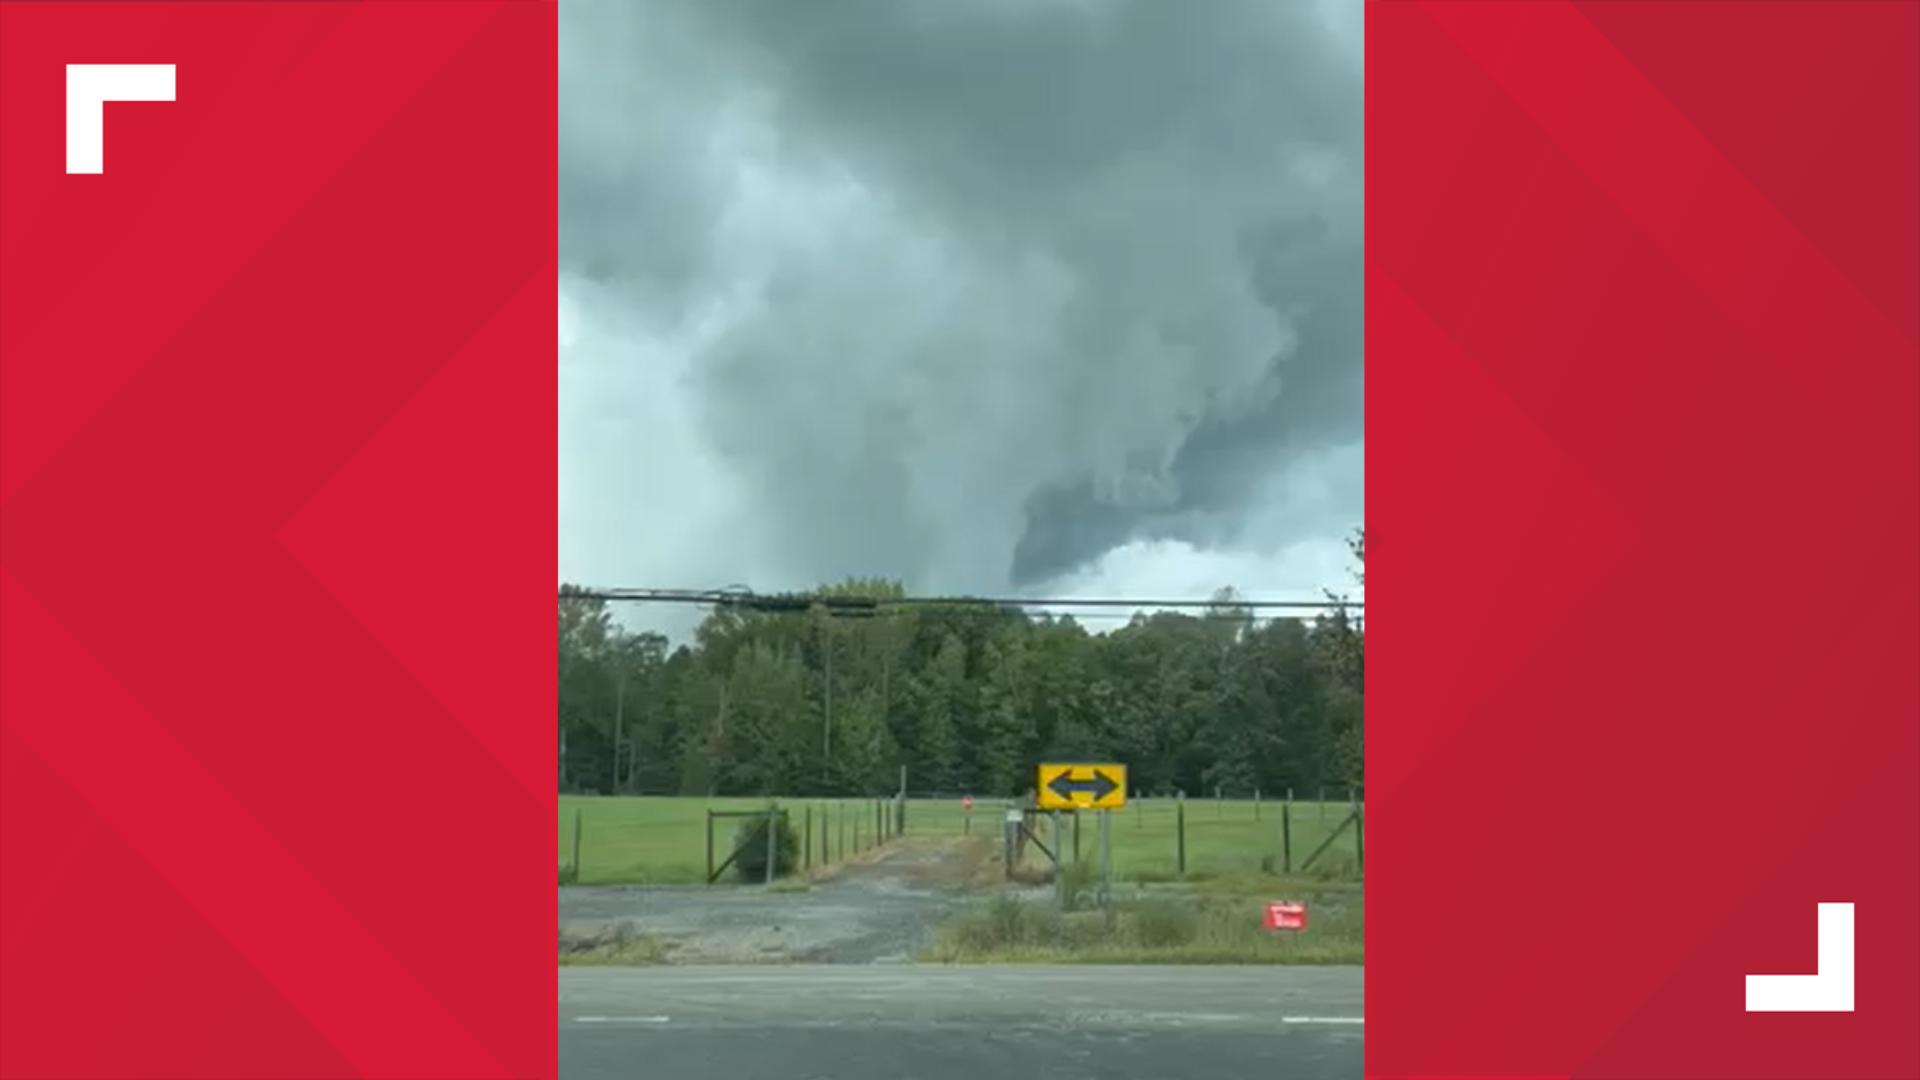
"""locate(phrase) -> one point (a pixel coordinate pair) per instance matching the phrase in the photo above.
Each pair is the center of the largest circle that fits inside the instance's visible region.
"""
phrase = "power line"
(746, 599)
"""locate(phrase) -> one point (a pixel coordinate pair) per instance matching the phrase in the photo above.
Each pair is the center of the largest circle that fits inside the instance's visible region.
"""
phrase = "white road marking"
(1323, 1019)
(621, 1019)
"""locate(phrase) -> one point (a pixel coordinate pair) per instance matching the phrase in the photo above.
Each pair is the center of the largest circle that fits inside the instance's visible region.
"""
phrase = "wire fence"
(663, 839)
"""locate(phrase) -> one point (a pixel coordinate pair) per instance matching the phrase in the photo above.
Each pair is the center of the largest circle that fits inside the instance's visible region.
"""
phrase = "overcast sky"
(1037, 296)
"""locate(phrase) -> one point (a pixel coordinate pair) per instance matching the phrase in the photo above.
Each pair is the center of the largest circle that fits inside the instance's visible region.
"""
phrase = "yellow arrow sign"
(1082, 787)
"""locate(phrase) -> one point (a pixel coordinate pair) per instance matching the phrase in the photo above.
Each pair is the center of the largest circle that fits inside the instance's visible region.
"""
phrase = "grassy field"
(662, 840)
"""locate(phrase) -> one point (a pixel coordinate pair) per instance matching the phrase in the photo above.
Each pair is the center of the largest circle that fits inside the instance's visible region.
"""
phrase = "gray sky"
(990, 296)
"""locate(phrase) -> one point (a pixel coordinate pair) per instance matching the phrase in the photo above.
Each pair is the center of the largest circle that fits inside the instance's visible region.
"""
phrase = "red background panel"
(277, 409)
(1644, 510)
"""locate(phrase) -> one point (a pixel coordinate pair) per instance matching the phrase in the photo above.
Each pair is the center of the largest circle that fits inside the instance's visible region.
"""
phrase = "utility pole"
(826, 727)
(619, 722)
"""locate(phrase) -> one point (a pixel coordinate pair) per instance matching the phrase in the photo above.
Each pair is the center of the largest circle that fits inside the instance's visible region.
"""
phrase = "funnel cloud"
(1049, 295)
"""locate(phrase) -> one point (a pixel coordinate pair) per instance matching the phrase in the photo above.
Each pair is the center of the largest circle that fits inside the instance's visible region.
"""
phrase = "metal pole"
(1059, 864)
(1106, 864)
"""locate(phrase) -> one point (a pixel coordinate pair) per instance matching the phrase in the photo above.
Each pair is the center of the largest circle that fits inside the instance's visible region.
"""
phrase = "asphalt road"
(935, 1023)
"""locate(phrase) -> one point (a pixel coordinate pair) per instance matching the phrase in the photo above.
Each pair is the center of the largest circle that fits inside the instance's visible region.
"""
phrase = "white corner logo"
(1829, 988)
(89, 88)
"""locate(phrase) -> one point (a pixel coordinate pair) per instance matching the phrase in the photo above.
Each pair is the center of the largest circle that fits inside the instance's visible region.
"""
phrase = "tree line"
(969, 697)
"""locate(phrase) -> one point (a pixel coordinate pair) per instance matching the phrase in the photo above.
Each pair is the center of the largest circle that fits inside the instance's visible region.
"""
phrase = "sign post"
(1106, 865)
(1059, 864)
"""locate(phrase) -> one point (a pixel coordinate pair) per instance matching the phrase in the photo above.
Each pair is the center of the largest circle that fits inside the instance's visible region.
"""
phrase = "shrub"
(1007, 920)
(1083, 882)
(750, 840)
(1163, 923)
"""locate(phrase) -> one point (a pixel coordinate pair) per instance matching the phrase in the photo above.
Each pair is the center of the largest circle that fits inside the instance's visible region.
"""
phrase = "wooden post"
(843, 828)
(773, 835)
(1286, 838)
(1180, 830)
(1007, 839)
(709, 845)
(806, 829)
(1360, 838)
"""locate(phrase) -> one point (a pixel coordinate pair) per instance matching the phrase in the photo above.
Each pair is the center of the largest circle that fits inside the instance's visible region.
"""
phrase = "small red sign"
(1286, 915)
(966, 802)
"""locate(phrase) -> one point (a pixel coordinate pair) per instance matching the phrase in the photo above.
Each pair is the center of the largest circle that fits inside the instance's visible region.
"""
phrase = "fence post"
(843, 828)
(709, 845)
(1007, 836)
(1180, 830)
(576, 845)
(1360, 839)
(773, 836)
(806, 828)
(1286, 838)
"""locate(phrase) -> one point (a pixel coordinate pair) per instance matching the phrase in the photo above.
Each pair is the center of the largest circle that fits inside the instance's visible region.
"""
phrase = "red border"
(1644, 511)
(277, 410)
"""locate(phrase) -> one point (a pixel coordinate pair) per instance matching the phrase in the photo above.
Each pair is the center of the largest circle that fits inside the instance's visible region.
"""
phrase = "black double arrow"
(1101, 785)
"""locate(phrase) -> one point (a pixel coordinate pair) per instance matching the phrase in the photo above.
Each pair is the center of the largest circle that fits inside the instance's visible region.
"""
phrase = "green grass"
(662, 840)
(1164, 925)
(658, 840)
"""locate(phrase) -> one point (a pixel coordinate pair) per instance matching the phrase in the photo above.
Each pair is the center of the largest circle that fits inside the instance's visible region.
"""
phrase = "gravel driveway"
(881, 908)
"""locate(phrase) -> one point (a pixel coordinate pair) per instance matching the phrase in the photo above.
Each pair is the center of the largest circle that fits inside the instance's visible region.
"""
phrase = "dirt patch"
(881, 907)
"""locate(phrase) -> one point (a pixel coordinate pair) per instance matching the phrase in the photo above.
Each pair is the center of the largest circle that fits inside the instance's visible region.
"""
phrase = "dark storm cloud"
(971, 293)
